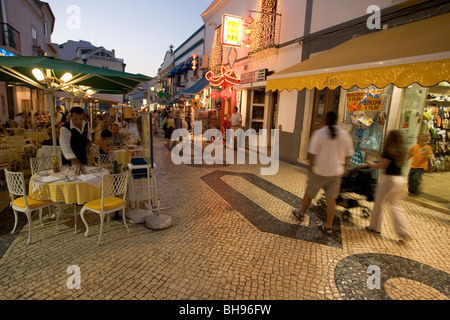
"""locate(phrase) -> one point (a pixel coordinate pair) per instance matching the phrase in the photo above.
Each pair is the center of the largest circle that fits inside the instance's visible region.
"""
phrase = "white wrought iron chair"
(101, 160)
(114, 192)
(25, 204)
(42, 163)
(105, 161)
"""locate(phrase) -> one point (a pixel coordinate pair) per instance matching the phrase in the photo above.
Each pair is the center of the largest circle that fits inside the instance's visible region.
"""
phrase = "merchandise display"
(436, 121)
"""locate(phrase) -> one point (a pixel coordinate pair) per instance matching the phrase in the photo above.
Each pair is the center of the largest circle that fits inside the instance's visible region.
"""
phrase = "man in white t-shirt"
(330, 149)
(236, 123)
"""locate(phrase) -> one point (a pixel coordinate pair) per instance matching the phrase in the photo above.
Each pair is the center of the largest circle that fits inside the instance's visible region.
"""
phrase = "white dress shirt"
(64, 139)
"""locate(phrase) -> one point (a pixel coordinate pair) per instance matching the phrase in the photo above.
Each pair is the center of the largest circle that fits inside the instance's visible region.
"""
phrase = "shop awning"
(196, 88)
(181, 68)
(417, 52)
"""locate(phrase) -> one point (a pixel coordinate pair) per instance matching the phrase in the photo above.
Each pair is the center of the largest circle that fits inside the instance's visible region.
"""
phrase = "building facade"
(27, 26)
(285, 33)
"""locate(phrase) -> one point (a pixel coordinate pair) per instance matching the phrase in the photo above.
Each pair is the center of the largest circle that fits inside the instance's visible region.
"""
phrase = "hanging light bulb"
(248, 32)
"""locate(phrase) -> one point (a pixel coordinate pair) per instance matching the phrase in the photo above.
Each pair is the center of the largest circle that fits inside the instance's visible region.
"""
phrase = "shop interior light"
(38, 74)
(66, 77)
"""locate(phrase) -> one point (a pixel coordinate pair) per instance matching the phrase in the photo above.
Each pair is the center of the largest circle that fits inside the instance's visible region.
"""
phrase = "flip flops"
(327, 231)
(296, 213)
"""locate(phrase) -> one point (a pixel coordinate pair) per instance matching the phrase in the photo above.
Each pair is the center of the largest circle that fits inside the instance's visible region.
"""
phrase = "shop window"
(258, 113)
(259, 96)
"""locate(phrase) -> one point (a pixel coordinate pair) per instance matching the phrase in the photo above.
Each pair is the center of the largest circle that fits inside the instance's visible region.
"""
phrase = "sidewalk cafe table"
(71, 189)
(123, 156)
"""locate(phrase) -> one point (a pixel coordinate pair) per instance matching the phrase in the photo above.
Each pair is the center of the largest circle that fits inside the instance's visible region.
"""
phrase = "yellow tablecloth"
(67, 192)
(38, 136)
(121, 156)
(14, 154)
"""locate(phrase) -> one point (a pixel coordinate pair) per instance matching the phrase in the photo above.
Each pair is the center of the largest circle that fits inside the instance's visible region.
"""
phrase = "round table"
(54, 187)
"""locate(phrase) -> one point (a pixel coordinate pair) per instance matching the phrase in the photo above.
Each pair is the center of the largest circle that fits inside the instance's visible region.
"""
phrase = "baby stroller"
(357, 180)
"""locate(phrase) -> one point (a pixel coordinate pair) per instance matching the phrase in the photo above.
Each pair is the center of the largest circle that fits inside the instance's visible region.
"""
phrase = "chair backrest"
(115, 185)
(42, 163)
(16, 183)
(4, 146)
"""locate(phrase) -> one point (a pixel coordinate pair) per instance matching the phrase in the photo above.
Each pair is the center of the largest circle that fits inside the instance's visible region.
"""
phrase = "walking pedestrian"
(420, 154)
(391, 186)
(330, 149)
(236, 123)
(169, 127)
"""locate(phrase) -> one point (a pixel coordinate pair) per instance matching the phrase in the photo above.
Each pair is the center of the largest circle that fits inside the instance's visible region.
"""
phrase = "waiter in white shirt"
(75, 139)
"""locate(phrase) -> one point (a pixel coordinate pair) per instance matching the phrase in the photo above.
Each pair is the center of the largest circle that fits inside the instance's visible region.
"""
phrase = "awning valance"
(196, 88)
(418, 52)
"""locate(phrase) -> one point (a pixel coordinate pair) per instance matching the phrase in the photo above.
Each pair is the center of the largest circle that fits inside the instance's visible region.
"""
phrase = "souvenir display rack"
(356, 128)
(436, 122)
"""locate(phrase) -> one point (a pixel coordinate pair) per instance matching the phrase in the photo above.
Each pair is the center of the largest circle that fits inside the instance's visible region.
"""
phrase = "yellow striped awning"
(417, 52)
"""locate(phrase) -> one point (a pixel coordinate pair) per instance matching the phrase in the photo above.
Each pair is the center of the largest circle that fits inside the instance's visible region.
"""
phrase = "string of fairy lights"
(261, 32)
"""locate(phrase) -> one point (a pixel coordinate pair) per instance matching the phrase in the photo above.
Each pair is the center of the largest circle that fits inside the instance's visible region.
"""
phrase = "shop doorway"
(325, 100)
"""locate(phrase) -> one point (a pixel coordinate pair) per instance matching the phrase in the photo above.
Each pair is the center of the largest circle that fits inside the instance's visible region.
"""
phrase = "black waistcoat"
(78, 143)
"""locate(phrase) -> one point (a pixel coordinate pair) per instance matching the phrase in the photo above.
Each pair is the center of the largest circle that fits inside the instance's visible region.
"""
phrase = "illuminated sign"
(232, 31)
(6, 53)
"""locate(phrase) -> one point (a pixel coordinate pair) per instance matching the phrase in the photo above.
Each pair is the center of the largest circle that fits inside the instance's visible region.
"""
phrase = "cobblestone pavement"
(233, 238)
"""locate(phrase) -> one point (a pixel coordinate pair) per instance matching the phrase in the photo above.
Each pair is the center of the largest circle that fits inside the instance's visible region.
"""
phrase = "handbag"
(371, 139)
(357, 158)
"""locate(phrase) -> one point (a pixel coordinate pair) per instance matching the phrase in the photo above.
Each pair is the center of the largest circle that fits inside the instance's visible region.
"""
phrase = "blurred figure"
(391, 186)
(117, 138)
(330, 149)
(169, 127)
(420, 154)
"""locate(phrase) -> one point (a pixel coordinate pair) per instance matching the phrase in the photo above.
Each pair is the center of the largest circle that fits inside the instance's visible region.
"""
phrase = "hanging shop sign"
(232, 30)
(254, 76)
(365, 101)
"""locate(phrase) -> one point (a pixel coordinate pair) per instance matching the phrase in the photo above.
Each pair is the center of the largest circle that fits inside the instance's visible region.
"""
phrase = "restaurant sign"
(254, 76)
(232, 30)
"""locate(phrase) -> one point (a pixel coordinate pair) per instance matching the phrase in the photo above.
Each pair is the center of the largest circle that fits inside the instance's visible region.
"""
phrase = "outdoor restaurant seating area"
(37, 180)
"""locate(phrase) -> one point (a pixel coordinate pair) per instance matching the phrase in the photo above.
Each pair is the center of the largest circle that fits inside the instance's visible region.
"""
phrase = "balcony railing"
(10, 37)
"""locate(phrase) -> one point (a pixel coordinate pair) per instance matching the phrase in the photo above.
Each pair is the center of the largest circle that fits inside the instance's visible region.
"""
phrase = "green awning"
(19, 69)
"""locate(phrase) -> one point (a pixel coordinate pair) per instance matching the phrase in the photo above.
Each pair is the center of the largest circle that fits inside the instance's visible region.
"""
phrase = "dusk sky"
(140, 31)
